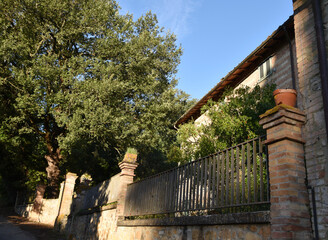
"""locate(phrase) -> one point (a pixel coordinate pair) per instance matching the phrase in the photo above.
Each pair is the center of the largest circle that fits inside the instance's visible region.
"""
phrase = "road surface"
(13, 227)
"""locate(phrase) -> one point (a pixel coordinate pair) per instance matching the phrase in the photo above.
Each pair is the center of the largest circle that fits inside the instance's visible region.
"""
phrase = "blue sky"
(215, 35)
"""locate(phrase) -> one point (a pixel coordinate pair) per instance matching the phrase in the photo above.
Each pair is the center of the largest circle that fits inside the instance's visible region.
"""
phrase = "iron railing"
(236, 178)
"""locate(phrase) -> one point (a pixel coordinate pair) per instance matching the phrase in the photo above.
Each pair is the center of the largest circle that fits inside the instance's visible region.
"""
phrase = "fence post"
(127, 166)
(66, 199)
(289, 212)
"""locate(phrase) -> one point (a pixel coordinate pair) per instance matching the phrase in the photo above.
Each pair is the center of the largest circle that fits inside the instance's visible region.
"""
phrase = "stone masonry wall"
(47, 215)
(281, 75)
(102, 225)
(311, 102)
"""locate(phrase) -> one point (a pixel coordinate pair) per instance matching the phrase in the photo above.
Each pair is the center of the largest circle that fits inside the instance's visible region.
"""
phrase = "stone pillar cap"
(126, 164)
(282, 113)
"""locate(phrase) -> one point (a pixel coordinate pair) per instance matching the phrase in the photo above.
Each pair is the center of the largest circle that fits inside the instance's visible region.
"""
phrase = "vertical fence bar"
(165, 197)
(214, 191)
(184, 187)
(243, 173)
(150, 195)
(177, 189)
(255, 170)
(133, 200)
(169, 193)
(180, 188)
(237, 175)
(194, 185)
(140, 194)
(160, 193)
(218, 180)
(248, 173)
(261, 169)
(136, 207)
(185, 202)
(164, 187)
(201, 183)
(222, 178)
(209, 182)
(191, 174)
(232, 175)
(189, 186)
(205, 181)
(173, 190)
(154, 182)
(227, 178)
(198, 183)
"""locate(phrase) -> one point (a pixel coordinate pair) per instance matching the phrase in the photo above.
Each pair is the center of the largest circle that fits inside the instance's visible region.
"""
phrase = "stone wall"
(103, 193)
(311, 102)
(97, 225)
(47, 214)
(240, 232)
(281, 74)
(102, 225)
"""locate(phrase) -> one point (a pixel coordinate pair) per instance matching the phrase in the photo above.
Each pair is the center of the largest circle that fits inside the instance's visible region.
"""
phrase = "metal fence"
(236, 178)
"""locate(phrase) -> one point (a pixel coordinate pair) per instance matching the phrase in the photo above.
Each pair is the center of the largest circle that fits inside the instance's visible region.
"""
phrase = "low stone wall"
(47, 214)
(102, 225)
(97, 225)
(243, 231)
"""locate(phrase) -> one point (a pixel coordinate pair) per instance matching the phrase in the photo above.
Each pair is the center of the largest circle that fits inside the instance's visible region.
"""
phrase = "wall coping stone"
(217, 219)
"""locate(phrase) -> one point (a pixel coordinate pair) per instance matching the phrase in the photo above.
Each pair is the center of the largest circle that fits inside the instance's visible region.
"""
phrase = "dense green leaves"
(232, 120)
(86, 83)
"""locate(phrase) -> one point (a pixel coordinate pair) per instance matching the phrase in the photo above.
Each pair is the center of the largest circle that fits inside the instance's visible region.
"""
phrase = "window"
(266, 69)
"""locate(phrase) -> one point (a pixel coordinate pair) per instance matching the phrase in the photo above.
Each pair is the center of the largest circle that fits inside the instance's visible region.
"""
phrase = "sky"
(215, 35)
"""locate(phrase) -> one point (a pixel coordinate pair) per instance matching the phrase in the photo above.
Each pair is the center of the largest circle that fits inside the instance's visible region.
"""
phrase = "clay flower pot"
(285, 96)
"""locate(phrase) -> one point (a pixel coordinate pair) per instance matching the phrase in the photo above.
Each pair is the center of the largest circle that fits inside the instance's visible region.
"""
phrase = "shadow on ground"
(38, 230)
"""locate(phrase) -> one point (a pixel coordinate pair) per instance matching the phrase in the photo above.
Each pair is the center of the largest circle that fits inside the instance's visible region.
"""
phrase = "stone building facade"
(297, 54)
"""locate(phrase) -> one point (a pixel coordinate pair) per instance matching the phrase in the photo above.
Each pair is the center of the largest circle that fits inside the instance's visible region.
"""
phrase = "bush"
(232, 120)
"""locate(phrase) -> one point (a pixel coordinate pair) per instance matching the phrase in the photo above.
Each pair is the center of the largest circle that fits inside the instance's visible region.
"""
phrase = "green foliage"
(82, 83)
(232, 120)
(132, 150)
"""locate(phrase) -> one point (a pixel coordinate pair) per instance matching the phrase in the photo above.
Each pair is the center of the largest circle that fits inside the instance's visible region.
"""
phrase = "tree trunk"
(53, 172)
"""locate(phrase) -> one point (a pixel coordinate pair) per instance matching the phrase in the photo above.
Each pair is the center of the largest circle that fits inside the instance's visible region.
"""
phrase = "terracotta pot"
(285, 96)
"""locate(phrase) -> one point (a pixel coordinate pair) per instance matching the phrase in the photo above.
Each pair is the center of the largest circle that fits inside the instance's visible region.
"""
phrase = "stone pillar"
(127, 166)
(66, 199)
(289, 213)
(37, 204)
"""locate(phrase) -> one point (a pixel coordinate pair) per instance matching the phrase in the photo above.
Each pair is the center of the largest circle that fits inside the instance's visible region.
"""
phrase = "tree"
(83, 78)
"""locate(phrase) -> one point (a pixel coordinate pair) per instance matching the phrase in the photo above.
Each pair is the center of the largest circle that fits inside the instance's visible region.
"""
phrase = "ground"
(14, 227)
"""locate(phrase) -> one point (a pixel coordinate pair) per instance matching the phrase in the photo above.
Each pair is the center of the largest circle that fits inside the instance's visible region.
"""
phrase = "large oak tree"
(87, 81)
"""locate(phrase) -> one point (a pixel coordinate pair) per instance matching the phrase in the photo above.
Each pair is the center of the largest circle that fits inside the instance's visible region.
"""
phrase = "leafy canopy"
(85, 82)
